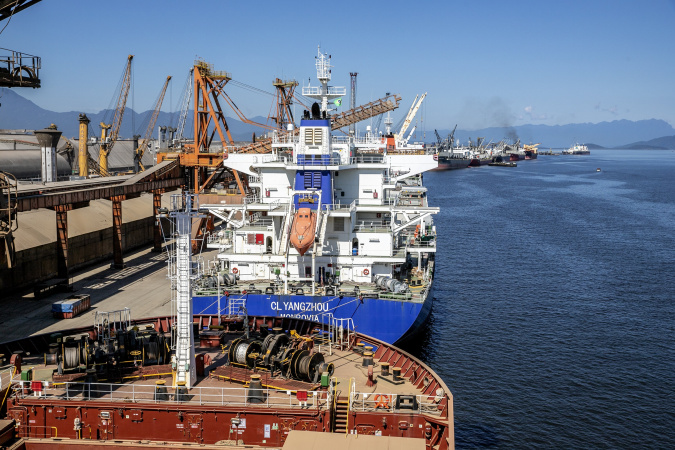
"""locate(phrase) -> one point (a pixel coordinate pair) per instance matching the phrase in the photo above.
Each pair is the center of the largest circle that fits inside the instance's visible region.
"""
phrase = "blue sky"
(483, 63)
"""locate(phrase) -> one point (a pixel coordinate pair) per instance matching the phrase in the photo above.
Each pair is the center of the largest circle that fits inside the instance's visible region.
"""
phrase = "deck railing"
(145, 393)
(386, 402)
(19, 69)
(335, 207)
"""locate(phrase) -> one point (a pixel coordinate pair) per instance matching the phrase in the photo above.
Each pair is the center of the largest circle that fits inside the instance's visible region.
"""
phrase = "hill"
(662, 143)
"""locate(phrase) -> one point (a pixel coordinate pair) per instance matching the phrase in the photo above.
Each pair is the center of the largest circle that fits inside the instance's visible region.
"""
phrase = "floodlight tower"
(352, 102)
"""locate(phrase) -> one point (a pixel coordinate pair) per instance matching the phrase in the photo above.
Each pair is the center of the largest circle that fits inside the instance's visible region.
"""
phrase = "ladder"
(184, 319)
(235, 306)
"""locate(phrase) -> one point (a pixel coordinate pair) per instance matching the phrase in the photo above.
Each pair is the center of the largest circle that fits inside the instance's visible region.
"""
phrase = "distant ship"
(531, 151)
(449, 160)
(577, 149)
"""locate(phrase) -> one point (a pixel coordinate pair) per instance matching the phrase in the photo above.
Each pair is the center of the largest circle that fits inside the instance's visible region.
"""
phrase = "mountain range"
(17, 113)
(624, 134)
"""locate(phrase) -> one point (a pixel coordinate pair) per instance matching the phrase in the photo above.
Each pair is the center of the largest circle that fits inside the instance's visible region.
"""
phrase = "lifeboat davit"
(303, 230)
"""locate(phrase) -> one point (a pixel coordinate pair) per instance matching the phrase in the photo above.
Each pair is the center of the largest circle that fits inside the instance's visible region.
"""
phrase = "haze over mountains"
(17, 112)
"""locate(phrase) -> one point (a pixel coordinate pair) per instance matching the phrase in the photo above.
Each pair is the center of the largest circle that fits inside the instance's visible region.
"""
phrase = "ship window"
(342, 193)
(338, 224)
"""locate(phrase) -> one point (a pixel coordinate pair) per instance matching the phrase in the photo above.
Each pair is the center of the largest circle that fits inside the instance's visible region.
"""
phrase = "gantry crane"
(140, 151)
(108, 139)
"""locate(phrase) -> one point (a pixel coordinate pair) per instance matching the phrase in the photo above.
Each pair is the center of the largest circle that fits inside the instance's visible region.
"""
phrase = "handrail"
(11, 378)
(352, 382)
(333, 391)
(238, 396)
(426, 403)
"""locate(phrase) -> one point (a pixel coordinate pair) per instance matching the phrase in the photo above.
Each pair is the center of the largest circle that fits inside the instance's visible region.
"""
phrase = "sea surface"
(554, 318)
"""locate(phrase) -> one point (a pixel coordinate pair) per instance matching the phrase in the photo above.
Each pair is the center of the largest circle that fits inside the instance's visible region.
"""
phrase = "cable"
(10, 16)
(250, 88)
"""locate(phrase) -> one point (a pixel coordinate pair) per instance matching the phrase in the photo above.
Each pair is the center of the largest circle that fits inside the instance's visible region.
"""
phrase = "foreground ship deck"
(239, 397)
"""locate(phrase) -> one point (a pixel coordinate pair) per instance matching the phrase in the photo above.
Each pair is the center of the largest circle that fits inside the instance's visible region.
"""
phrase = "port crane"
(446, 144)
(204, 167)
(143, 147)
(283, 102)
(110, 132)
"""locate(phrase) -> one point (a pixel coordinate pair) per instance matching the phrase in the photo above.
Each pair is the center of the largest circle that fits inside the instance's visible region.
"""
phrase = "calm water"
(554, 321)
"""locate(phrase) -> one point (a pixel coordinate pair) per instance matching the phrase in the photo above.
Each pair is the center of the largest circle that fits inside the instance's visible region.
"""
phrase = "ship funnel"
(316, 111)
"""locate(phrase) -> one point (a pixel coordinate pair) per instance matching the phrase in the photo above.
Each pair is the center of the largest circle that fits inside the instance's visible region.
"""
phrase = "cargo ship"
(335, 231)
(577, 149)
(480, 158)
(206, 381)
(531, 151)
(450, 160)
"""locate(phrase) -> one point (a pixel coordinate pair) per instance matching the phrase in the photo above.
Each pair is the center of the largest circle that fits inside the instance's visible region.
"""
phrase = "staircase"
(341, 415)
(286, 231)
(322, 232)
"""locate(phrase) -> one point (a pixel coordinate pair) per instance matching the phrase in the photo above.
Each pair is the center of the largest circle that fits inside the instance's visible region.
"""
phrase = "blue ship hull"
(392, 321)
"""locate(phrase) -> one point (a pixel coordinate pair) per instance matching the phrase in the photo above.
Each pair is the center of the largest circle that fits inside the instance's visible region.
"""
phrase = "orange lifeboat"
(303, 230)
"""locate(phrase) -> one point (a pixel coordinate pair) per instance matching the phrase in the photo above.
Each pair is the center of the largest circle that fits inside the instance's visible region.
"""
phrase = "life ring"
(235, 271)
(382, 401)
(366, 272)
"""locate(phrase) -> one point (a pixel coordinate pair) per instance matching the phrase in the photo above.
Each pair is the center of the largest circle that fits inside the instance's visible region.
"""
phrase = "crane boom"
(451, 138)
(108, 140)
(185, 104)
(407, 117)
(411, 115)
(140, 151)
(411, 133)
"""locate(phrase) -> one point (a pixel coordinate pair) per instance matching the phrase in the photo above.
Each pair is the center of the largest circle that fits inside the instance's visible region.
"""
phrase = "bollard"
(397, 373)
(255, 391)
(367, 359)
(161, 393)
(181, 392)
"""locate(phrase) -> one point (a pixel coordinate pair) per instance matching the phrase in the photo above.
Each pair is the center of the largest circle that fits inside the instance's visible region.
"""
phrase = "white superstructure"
(363, 198)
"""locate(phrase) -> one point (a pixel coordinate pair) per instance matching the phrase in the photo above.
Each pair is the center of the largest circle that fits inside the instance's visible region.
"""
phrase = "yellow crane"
(140, 151)
(108, 139)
